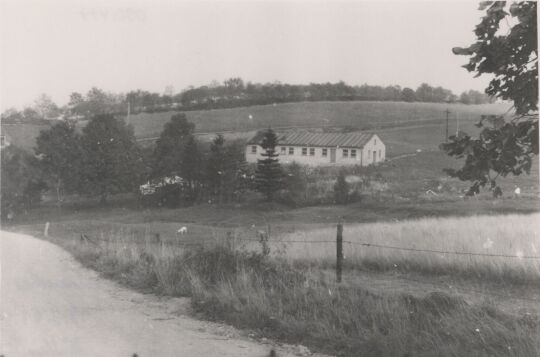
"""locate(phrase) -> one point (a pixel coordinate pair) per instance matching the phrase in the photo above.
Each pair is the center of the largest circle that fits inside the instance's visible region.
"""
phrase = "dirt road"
(51, 306)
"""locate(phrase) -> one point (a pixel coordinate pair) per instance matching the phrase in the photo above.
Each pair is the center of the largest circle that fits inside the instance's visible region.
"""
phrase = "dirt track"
(51, 306)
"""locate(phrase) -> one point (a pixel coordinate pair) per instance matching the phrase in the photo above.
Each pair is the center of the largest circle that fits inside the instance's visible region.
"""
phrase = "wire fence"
(288, 241)
(264, 239)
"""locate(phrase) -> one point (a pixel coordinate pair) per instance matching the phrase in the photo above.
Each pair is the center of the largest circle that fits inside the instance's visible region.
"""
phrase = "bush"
(296, 185)
(341, 189)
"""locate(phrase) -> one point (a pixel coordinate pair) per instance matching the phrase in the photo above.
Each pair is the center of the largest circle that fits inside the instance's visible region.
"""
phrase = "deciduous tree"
(511, 56)
(60, 156)
(21, 181)
(112, 161)
(170, 146)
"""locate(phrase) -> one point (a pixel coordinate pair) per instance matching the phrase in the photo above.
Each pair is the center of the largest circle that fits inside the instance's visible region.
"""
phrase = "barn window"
(291, 151)
(283, 150)
(345, 152)
(304, 151)
(375, 143)
(254, 149)
(353, 153)
(311, 151)
(324, 152)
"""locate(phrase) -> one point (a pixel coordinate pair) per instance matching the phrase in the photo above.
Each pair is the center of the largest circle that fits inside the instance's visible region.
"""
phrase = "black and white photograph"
(269, 178)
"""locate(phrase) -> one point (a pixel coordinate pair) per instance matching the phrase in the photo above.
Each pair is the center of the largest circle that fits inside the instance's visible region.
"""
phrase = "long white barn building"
(322, 149)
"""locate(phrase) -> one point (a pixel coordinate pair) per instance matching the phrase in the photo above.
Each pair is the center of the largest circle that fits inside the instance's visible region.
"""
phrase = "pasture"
(500, 247)
(292, 295)
(404, 127)
(363, 115)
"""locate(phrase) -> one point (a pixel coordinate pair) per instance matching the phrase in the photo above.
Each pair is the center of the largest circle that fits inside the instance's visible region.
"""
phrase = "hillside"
(359, 114)
(23, 135)
(405, 127)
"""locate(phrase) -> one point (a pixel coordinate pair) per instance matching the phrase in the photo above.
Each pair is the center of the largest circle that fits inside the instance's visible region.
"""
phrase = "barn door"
(332, 155)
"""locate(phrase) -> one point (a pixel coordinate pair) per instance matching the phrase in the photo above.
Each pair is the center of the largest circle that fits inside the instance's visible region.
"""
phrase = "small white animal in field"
(182, 231)
(487, 244)
(517, 191)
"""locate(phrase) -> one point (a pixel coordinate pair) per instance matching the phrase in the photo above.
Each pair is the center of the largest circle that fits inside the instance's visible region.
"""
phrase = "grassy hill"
(361, 114)
(23, 135)
(404, 127)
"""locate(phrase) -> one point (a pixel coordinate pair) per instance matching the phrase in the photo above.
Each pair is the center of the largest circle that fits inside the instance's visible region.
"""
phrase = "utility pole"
(447, 115)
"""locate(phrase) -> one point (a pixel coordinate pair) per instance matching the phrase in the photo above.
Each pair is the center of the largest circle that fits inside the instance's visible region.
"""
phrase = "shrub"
(341, 189)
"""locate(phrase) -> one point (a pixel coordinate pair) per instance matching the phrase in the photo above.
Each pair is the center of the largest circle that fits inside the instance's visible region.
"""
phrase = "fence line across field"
(368, 245)
(339, 252)
(375, 245)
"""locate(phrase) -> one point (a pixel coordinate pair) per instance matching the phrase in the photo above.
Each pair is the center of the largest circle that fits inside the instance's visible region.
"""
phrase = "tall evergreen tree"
(269, 174)
(112, 161)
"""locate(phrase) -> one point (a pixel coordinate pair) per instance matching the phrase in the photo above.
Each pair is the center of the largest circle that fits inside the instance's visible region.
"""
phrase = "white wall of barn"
(314, 155)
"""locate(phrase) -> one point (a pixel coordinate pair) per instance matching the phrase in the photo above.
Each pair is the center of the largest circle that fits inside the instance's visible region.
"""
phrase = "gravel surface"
(52, 306)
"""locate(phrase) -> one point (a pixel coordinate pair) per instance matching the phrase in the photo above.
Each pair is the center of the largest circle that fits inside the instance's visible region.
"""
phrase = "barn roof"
(306, 138)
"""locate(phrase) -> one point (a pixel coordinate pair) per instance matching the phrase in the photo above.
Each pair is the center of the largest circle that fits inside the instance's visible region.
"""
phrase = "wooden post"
(339, 251)
(46, 230)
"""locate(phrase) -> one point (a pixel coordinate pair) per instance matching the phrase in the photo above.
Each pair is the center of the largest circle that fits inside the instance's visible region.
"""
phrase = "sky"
(59, 47)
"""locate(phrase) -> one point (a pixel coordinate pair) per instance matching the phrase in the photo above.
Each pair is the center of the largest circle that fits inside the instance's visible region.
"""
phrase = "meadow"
(487, 247)
(286, 295)
(404, 127)
(363, 115)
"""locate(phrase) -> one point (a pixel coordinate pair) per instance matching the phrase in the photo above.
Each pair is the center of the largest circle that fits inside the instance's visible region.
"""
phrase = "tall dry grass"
(508, 235)
(295, 303)
(248, 289)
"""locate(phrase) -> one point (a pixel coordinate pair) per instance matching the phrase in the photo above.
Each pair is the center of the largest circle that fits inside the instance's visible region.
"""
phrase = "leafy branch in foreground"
(503, 147)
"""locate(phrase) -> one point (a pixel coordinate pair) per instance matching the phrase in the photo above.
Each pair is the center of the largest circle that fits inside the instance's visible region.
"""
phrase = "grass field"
(404, 127)
(23, 135)
(503, 237)
(360, 114)
(292, 302)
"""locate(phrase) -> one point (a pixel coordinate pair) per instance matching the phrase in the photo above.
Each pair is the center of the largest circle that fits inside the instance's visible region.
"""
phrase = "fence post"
(46, 230)
(339, 251)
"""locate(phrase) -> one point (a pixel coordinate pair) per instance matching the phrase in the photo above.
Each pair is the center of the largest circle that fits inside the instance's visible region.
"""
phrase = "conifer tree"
(269, 174)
